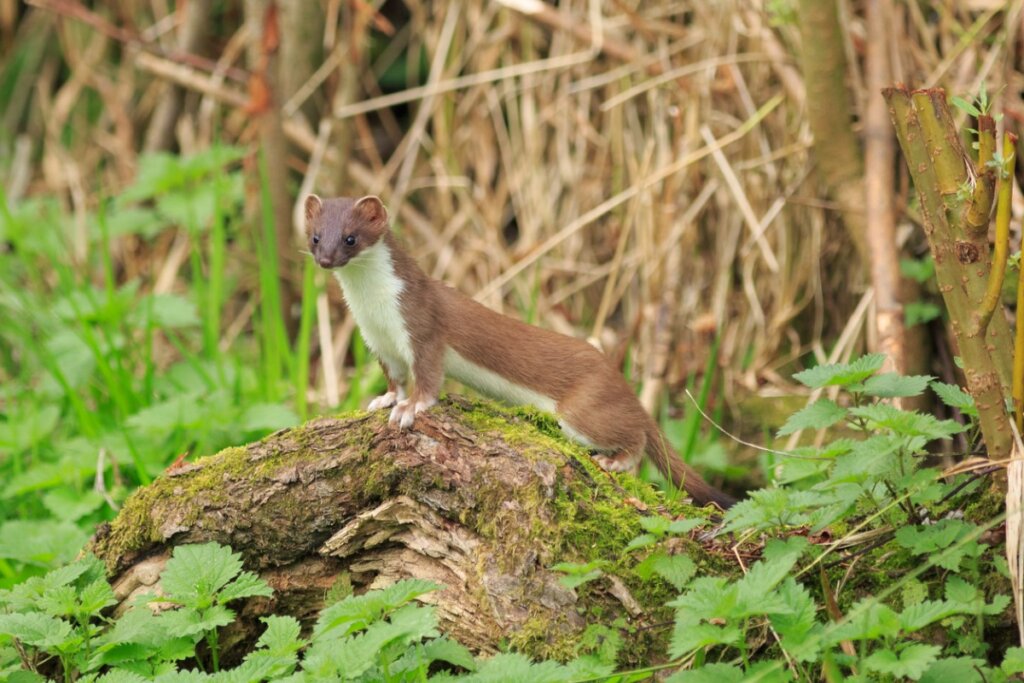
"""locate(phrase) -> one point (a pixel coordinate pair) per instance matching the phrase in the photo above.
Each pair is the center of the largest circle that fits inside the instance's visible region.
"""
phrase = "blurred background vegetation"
(692, 185)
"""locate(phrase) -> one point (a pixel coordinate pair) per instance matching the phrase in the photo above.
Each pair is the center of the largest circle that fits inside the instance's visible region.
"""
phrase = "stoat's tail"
(682, 475)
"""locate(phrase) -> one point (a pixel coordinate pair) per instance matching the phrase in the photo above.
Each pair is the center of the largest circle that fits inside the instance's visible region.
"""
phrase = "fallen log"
(481, 499)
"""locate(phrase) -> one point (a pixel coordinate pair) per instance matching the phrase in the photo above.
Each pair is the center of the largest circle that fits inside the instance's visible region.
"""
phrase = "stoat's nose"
(324, 261)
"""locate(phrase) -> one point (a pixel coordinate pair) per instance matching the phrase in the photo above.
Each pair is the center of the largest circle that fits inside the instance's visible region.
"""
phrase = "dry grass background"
(592, 165)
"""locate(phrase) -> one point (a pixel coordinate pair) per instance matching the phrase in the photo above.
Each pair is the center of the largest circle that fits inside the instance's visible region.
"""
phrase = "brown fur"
(591, 397)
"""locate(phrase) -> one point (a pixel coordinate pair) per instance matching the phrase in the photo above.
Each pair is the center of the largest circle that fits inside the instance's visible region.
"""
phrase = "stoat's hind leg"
(619, 438)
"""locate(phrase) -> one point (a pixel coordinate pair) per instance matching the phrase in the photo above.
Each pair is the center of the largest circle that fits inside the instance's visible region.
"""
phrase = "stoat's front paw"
(383, 401)
(404, 413)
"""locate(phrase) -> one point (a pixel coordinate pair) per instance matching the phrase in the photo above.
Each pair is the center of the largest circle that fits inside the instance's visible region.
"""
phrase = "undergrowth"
(933, 612)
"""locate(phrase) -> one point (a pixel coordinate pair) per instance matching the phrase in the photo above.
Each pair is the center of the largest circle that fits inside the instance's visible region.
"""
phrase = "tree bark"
(939, 167)
(830, 115)
(484, 502)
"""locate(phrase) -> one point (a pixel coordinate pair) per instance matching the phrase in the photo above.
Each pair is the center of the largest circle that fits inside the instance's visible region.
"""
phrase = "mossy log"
(477, 498)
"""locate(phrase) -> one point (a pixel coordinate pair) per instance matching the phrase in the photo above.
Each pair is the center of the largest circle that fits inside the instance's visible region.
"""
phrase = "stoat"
(421, 330)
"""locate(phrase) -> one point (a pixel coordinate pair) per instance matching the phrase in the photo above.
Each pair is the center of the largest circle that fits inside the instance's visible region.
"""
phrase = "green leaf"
(943, 542)
(919, 270)
(96, 597)
(445, 650)
(120, 676)
(964, 106)
(892, 385)
(37, 630)
(841, 374)
(576, 580)
(69, 505)
(955, 397)
(641, 541)
(959, 669)
(709, 673)
(906, 423)
(911, 662)
(267, 417)
(708, 597)
(920, 312)
(355, 612)
(170, 311)
(281, 634)
(246, 585)
(867, 620)
(183, 410)
(820, 414)
(516, 668)
(1013, 661)
(916, 617)
(676, 569)
(188, 622)
(40, 542)
(797, 627)
(196, 573)
(689, 634)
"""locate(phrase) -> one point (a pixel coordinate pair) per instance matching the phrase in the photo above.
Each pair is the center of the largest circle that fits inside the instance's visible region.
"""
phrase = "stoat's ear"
(372, 209)
(313, 206)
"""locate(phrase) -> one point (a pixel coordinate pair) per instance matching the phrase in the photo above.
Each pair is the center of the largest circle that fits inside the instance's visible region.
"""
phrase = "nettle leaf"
(959, 669)
(641, 541)
(96, 597)
(355, 655)
(955, 397)
(867, 620)
(268, 417)
(907, 423)
(356, 612)
(689, 634)
(756, 591)
(943, 542)
(40, 542)
(911, 662)
(919, 270)
(195, 574)
(892, 385)
(841, 374)
(708, 597)
(37, 630)
(445, 650)
(187, 622)
(579, 574)
(508, 667)
(577, 580)
(709, 673)
(281, 635)
(676, 569)
(764, 509)
(916, 617)
(797, 627)
(662, 526)
(121, 676)
(246, 585)
(919, 312)
(1013, 661)
(967, 598)
(819, 415)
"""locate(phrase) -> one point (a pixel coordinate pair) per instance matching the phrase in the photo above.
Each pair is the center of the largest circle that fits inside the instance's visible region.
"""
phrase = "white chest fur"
(372, 291)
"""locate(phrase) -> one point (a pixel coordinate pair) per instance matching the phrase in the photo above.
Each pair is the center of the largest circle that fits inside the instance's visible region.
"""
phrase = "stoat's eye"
(350, 240)
(316, 239)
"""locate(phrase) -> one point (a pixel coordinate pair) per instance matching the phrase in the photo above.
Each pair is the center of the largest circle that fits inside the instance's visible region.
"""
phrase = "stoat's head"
(340, 229)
